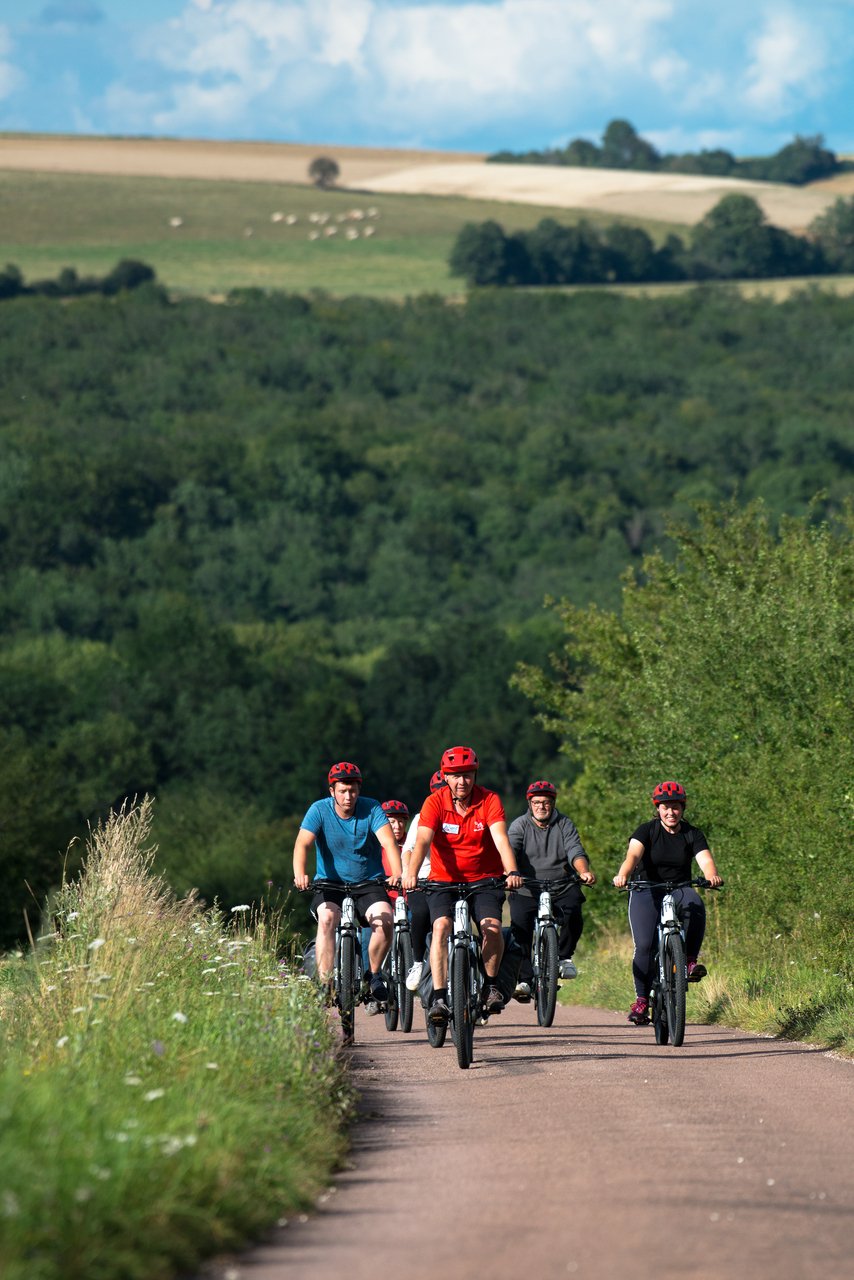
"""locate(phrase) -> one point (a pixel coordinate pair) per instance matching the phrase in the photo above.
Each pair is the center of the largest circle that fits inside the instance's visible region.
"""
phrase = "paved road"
(584, 1150)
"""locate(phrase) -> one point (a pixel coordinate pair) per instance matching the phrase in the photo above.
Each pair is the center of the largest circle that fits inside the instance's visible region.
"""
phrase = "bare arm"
(422, 846)
(634, 853)
(706, 863)
(385, 835)
(498, 831)
(303, 846)
(582, 867)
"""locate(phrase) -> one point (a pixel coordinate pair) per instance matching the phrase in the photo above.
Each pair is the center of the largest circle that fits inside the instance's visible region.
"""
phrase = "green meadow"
(228, 238)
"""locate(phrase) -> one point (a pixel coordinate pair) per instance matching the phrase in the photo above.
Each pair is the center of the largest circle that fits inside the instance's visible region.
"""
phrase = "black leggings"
(419, 923)
(644, 913)
(523, 913)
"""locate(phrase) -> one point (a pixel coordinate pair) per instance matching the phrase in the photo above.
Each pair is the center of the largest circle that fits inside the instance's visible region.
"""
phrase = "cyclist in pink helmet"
(664, 849)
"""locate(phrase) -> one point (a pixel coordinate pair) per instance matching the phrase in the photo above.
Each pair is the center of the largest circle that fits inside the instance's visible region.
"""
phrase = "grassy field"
(227, 238)
(168, 1088)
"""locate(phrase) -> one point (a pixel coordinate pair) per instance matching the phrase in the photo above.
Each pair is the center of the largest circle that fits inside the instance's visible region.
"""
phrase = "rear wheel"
(547, 979)
(675, 985)
(347, 978)
(405, 998)
(461, 1010)
(436, 1031)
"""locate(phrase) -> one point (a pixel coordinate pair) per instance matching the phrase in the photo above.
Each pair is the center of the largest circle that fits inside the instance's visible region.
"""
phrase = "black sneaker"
(438, 1013)
(492, 1000)
(379, 990)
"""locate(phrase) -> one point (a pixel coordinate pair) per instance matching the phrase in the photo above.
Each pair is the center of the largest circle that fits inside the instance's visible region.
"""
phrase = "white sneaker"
(522, 992)
(413, 977)
(566, 969)
(372, 1008)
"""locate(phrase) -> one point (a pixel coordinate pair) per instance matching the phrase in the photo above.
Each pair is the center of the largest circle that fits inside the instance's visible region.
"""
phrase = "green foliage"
(833, 232)
(127, 274)
(240, 540)
(800, 161)
(729, 667)
(732, 242)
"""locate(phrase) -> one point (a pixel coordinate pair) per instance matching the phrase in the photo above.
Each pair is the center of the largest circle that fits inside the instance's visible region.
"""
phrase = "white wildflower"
(96, 943)
(133, 1080)
(10, 1205)
(62, 1042)
(212, 1066)
(178, 1016)
(244, 906)
(153, 1095)
(73, 915)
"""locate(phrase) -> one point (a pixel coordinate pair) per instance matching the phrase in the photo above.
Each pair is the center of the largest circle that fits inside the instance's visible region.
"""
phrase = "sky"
(456, 75)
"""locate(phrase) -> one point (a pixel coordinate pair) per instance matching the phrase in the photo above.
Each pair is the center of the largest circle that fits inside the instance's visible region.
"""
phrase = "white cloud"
(11, 78)
(789, 60)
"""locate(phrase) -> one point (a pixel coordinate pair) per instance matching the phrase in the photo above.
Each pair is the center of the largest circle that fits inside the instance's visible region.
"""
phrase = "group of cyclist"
(460, 835)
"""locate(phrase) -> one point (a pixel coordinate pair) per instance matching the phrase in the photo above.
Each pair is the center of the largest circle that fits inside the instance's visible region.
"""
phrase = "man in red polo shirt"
(463, 827)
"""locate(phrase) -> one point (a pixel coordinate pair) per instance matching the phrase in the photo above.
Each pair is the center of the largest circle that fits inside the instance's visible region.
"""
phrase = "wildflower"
(158, 1048)
(133, 1080)
(80, 1008)
(11, 1207)
(153, 1095)
(96, 943)
(244, 906)
(62, 1042)
(82, 1194)
(177, 1016)
(212, 1066)
(73, 915)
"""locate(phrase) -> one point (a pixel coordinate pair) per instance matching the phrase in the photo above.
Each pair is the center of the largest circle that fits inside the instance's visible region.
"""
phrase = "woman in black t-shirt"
(664, 848)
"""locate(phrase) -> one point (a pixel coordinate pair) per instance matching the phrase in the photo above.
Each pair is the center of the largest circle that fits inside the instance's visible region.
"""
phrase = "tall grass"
(167, 1086)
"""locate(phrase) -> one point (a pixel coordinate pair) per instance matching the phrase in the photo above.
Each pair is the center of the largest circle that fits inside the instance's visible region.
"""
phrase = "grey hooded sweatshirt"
(545, 853)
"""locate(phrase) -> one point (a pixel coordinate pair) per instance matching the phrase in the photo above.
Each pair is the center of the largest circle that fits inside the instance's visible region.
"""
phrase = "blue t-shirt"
(347, 848)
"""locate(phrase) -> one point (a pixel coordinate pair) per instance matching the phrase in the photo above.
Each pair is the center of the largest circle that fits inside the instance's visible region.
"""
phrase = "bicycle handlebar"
(346, 885)
(462, 887)
(699, 882)
(563, 882)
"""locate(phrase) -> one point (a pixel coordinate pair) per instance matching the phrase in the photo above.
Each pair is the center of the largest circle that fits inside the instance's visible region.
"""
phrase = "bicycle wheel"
(391, 1008)
(547, 980)
(347, 984)
(461, 1010)
(658, 1014)
(674, 990)
(405, 998)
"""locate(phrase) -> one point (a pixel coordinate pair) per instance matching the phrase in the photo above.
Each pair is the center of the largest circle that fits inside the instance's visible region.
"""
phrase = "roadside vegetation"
(168, 1088)
(728, 666)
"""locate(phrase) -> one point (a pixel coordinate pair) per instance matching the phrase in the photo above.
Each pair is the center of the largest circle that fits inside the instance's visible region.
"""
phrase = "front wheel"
(547, 977)
(658, 1014)
(392, 1007)
(436, 1031)
(675, 979)
(405, 998)
(347, 979)
(461, 1009)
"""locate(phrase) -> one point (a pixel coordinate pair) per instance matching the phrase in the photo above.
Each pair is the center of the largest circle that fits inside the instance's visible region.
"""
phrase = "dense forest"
(734, 241)
(800, 161)
(239, 540)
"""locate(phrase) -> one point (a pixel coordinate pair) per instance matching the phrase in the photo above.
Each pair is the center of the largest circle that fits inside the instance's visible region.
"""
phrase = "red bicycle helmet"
(396, 808)
(437, 781)
(344, 771)
(669, 791)
(541, 788)
(459, 760)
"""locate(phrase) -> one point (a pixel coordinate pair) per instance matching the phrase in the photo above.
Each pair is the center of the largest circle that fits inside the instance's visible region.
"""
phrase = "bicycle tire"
(675, 988)
(659, 1015)
(405, 998)
(436, 1031)
(392, 1008)
(347, 985)
(461, 1011)
(547, 978)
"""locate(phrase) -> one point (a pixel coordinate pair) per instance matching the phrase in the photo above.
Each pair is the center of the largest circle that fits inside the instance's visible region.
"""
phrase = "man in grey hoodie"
(547, 847)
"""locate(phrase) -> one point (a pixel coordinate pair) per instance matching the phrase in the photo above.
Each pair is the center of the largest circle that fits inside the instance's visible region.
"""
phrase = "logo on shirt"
(451, 828)
(478, 826)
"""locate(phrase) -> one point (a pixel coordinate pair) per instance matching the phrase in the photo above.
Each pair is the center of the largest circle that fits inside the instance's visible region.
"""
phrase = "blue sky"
(451, 74)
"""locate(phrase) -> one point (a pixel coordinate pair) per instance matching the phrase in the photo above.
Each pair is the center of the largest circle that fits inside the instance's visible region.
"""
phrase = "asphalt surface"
(583, 1150)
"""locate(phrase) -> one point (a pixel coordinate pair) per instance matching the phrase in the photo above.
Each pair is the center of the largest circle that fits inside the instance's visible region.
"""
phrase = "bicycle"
(544, 947)
(347, 971)
(398, 962)
(670, 983)
(465, 968)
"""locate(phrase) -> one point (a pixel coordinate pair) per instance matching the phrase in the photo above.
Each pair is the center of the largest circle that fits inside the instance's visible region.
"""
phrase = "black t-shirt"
(665, 856)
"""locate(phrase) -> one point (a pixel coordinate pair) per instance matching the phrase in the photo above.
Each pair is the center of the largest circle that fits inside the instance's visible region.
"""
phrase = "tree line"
(804, 159)
(240, 540)
(734, 241)
(126, 274)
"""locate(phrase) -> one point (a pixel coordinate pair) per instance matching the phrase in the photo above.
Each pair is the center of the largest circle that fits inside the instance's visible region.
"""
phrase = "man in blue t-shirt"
(348, 831)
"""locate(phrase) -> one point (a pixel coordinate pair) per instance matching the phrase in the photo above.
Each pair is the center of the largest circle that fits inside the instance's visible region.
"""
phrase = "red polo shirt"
(462, 848)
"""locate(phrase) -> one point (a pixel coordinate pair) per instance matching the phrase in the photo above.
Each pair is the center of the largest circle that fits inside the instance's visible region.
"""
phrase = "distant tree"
(833, 232)
(127, 274)
(803, 160)
(582, 153)
(324, 172)
(622, 148)
(733, 241)
(632, 253)
(11, 281)
(480, 254)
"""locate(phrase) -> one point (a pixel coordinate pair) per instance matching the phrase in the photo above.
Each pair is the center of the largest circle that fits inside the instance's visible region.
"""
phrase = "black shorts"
(483, 904)
(363, 898)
